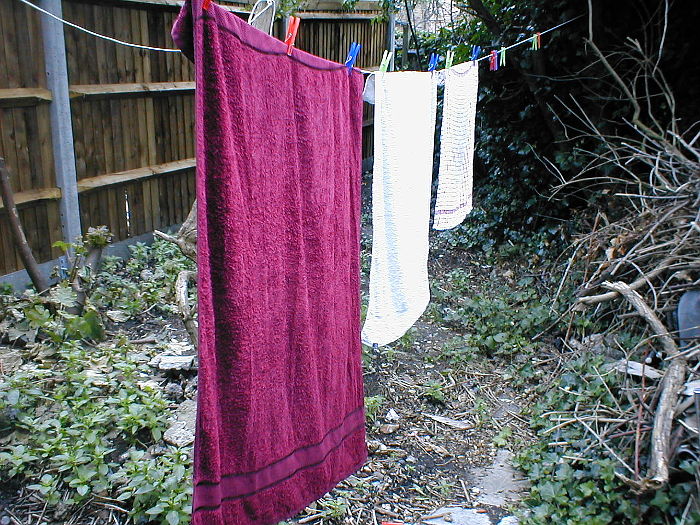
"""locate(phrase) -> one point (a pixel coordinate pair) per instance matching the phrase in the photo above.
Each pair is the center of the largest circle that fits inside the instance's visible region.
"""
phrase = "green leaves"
(586, 491)
(63, 295)
(81, 401)
(88, 326)
(503, 437)
(38, 316)
(74, 414)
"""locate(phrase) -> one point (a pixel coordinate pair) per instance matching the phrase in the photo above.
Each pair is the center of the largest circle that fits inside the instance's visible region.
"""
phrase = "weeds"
(79, 419)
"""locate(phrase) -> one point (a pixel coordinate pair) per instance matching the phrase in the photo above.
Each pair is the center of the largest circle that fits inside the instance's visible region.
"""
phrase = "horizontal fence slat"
(177, 4)
(136, 89)
(29, 196)
(111, 179)
(18, 97)
(305, 15)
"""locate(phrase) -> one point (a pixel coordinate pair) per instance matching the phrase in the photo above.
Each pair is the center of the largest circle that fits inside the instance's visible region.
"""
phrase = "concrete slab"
(462, 516)
(459, 516)
(499, 483)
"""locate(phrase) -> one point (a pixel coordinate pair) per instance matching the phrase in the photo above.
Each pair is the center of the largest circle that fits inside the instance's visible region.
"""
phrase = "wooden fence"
(131, 113)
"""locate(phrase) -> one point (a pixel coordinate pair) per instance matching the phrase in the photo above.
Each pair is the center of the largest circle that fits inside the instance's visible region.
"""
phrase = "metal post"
(391, 38)
(61, 123)
(406, 44)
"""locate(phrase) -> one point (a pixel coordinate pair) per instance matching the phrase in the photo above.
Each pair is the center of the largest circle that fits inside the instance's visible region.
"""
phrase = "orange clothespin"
(206, 4)
(292, 30)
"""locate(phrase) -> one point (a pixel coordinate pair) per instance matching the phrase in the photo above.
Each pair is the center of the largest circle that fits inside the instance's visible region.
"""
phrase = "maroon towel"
(281, 417)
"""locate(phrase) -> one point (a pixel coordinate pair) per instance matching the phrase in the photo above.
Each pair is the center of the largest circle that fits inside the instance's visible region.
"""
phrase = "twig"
(635, 285)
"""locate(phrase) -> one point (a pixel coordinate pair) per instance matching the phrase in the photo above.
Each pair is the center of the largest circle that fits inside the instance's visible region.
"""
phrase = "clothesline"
(529, 39)
(98, 35)
(169, 50)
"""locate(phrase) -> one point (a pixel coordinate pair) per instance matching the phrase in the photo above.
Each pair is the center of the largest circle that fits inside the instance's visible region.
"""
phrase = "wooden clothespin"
(352, 56)
(386, 60)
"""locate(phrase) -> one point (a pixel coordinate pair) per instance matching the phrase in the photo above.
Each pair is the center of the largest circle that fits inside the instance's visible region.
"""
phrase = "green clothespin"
(536, 41)
(386, 60)
(502, 56)
(449, 58)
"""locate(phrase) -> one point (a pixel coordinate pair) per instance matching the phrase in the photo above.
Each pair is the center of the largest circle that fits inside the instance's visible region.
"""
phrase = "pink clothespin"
(493, 61)
(292, 30)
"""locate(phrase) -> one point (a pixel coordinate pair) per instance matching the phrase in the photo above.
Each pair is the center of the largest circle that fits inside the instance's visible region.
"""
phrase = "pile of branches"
(631, 270)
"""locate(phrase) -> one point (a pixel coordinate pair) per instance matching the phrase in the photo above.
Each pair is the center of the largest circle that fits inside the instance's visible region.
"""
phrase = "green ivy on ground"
(498, 321)
(575, 483)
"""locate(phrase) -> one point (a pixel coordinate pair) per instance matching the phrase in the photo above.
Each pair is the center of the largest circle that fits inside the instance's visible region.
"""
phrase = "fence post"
(406, 45)
(61, 119)
(391, 38)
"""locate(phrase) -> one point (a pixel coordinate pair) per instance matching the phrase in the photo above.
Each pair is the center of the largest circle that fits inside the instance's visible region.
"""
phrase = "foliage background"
(521, 116)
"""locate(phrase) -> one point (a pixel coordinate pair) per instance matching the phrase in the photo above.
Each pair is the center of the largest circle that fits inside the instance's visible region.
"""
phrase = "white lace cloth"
(455, 177)
(404, 127)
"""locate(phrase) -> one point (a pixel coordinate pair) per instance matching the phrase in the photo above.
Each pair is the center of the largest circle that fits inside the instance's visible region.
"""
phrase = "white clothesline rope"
(98, 35)
(529, 39)
(169, 50)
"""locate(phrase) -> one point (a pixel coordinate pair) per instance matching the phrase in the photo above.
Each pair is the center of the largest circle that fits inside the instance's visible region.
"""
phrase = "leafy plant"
(432, 392)
(373, 404)
(82, 416)
(500, 323)
(580, 486)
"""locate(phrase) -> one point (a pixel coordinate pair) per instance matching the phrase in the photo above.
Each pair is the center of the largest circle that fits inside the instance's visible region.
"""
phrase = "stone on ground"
(181, 432)
(462, 516)
(498, 483)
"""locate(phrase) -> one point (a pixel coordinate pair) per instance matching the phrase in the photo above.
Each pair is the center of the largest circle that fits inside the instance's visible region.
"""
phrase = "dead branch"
(186, 237)
(671, 385)
(186, 240)
(644, 279)
(187, 311)
(25, 252)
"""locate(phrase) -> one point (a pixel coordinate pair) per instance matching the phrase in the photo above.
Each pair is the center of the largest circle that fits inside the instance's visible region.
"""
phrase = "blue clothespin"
(352, 56)
(476, 51)
(432, 64)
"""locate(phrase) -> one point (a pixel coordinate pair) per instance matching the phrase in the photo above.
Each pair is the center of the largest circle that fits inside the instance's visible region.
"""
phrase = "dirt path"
(431, 430)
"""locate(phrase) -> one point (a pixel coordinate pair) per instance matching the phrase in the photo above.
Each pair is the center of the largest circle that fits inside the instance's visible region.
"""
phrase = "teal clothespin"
(502, 56)
(449, 58)
(386, 60)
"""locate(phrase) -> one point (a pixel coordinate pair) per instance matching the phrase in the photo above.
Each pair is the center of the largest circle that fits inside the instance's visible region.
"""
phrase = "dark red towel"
(281, 417)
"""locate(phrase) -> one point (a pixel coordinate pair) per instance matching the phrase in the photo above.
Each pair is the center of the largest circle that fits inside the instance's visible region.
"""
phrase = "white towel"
(455, 177)
(404, 129)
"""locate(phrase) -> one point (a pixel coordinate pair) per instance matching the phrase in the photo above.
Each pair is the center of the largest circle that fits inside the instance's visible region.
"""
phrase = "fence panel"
(132, 113)
(25, 138)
